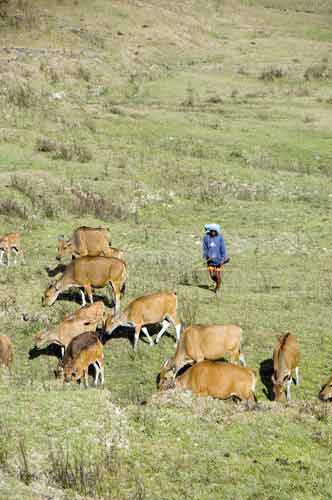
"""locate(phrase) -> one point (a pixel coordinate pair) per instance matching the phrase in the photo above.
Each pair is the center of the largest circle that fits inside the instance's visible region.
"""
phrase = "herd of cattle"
(96, 264)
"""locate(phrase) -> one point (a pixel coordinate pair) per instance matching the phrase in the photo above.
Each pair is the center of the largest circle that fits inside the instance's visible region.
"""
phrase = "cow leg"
(1, 257)
(297, 375)
(242, 359)
(62, 351)
(83, 298)
(146, 333)
(178, 332)
(288, 385)
(165, 325)
(102, 376)
(137, 331)
(97, 372)
(15, 254)
(88, 291)
(86, 378)
(8, 257)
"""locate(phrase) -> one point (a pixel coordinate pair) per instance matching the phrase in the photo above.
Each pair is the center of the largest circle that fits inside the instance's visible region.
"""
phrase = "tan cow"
(220, 380)
(83, 351)
(87, 241)
(326, 392)
(89, 273)
(82, 320)
(148, 310)
(11, 243)
(286, 357)
(6, 351)
(199, 342)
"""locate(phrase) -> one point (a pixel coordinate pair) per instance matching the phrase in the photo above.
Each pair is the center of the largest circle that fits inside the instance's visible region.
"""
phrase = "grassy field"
(152, 118)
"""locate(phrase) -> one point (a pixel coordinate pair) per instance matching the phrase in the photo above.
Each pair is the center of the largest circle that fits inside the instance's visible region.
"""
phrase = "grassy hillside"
(152, 118)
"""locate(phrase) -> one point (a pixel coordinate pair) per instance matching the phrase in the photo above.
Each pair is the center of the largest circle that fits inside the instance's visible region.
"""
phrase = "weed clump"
(12, 208)
(271, 74)
(20, 93)
(67, 152)
(317, 71)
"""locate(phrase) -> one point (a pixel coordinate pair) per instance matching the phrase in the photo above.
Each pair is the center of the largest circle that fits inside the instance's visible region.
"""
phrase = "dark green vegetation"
(152, 118)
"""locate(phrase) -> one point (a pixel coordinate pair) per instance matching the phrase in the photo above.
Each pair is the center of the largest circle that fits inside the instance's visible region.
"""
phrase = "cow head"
(166, 379)
(326, 391)
(40, 338)
(64, 247)
(71, 373)
(278, 386)
(51, 294)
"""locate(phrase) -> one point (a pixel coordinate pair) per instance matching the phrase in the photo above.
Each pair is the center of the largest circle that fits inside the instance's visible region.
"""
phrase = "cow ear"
(167, 363)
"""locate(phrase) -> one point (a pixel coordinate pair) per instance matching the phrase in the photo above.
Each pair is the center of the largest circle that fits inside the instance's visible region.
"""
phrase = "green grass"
(168, 99)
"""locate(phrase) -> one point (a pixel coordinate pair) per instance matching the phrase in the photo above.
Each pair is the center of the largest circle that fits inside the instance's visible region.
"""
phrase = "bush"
(270, 74)
(46, 145)
(20, 93)
(13, 209)
(316, 72)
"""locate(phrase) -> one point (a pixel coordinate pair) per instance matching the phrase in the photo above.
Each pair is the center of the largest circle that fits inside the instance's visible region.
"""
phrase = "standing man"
(214, 252)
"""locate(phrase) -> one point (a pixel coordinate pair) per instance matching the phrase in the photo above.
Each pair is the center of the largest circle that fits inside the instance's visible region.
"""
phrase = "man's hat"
(212, 227)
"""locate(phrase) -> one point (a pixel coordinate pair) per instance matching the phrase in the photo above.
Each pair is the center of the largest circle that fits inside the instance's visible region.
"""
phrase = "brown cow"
(220, 380)
(82, 320)
(83, 351)
(286, 357)
(148, 310)
(88, 273)
(6, 351)
(199, 342)
(87, 241)
(326, 391)
(11, 243)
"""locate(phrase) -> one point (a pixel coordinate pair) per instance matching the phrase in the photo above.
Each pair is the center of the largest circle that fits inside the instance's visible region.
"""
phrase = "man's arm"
(223, 252)
(205, 248)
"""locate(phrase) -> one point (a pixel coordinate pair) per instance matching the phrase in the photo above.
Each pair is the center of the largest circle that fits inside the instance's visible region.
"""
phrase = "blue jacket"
(214, 249)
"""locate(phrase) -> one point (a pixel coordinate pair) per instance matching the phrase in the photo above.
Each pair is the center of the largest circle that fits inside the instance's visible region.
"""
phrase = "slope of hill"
(153, 118)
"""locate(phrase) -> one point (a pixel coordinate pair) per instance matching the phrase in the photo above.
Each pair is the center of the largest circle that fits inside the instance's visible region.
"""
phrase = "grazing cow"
(199, 342)
(148, 310)
(286, 357)
(83, 351)
(6, 351)
(82, 320)
(87, 241)
(326, 391)
(11, 243)
(220, 380)
(88, 273)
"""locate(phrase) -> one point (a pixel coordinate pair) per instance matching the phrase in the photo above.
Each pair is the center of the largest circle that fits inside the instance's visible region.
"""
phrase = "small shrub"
(82, 473)
(69, 152)
(82, 153)
(84, 73)
(190, 97)
(13, 209)
(24, 469)
(316, 72)
(46, 145)
(20, 93)
(270, 74)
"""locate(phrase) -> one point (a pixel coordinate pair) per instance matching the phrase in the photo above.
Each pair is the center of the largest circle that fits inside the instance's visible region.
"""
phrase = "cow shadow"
(127, 332)
(265, 373)
(75, 296)
(51, 350)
